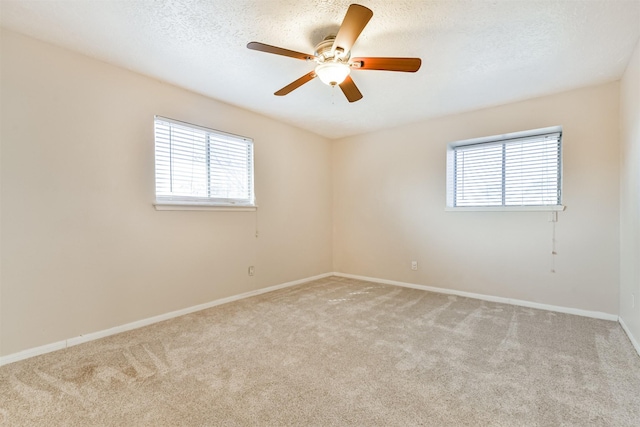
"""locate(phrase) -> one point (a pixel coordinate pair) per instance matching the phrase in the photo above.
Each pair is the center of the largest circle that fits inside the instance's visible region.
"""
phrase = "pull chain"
(554, 220)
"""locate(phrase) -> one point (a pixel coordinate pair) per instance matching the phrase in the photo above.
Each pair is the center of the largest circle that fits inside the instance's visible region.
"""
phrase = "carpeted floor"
(338, 352)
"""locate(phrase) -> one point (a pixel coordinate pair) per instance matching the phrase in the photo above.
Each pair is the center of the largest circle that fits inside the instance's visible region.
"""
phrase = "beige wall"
(83, 248)
(630, 195)
(389, 199)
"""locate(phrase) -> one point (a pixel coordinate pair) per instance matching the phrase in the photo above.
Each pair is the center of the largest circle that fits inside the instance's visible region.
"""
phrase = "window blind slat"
(518, 171)
(202, 165)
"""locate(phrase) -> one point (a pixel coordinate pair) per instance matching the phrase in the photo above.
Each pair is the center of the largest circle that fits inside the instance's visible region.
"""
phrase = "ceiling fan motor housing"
(324, 51)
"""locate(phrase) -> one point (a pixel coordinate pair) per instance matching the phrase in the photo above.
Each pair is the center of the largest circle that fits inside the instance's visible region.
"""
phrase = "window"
(515, 170)
(196, 166)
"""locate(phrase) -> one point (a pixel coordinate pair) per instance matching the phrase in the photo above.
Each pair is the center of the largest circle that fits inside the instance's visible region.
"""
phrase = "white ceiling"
(475, 53)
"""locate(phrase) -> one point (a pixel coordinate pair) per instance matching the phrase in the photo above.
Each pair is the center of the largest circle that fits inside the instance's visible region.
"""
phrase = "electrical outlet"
(251, 270)
(414, 265)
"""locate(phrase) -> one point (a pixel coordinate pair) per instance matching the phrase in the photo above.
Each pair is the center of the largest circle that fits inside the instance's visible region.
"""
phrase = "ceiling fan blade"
(278, 51)
(354, 22)
(296, 84)
(350, 90)
(409, 65)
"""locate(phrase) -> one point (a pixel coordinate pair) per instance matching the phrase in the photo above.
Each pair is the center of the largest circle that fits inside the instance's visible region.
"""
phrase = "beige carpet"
(338, 352)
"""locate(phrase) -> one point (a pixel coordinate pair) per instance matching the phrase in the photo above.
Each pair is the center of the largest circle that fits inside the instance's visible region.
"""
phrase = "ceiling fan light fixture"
(332, 73)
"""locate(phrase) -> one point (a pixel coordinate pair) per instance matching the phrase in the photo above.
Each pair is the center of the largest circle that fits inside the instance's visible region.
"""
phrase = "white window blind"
(196, 165)
(518, 171)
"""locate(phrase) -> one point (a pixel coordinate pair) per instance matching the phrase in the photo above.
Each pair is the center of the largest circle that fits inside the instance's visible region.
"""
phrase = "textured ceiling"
(476, 53)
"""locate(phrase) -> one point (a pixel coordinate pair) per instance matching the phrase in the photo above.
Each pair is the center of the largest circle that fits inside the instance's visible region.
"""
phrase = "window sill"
(557, 208)
(202, 207)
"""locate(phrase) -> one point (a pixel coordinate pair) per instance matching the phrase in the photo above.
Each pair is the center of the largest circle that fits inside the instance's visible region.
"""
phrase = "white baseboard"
(522, 303)
(36, 351)
(633, 340)
(31, 352)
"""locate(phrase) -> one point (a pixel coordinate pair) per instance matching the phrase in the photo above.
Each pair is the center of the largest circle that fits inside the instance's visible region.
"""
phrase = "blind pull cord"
(554, 220)
(256, 222)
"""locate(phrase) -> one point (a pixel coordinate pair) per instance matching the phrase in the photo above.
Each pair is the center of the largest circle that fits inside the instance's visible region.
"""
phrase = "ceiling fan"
(333, 57)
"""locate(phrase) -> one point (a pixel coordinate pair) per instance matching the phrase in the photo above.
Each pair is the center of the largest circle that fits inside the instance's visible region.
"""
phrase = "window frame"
(181, 202)
(499, 140)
